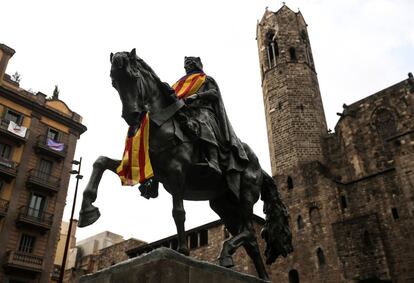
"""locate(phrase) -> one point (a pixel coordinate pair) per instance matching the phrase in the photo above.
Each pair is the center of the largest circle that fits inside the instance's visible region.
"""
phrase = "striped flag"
(135, 165)
(189, 84)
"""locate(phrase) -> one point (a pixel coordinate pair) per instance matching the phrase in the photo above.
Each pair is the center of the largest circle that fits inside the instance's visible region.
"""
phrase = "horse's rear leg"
(179, 219)
(89, 213)
(227, 208)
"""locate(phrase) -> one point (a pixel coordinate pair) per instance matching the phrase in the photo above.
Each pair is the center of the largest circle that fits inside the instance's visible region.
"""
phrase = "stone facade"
(99, 252)
(38, 137)
(349, 193)
(116, 253)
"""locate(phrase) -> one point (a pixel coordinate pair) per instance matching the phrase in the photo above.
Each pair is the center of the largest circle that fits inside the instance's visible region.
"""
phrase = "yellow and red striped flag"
(135, 165)
(189, 84)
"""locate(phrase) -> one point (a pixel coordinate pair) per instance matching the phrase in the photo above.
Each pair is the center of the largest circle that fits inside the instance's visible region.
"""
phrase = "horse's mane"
(145, 69)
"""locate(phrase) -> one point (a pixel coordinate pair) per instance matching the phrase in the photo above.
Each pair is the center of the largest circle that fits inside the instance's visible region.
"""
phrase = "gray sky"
(359, 47)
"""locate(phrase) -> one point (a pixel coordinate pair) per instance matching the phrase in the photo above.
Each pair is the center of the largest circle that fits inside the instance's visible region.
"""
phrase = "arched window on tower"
(272, 49)
(300, 223)
(385, 123)
(321, 257)
(294, 276)
(292, 52)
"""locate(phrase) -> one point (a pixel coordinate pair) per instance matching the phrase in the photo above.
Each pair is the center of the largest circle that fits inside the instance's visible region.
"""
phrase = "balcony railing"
(35, 218)
(23, 261)
(52, 148)
(4, 206)
(43, 181)
(19, 134)
(8, 168)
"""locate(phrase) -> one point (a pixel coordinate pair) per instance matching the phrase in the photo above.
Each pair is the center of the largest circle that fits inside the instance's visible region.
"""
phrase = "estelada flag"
(189, 84)
(135, 165)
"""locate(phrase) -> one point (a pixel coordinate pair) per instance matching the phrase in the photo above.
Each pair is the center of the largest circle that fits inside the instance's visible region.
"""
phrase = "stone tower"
(293, 105)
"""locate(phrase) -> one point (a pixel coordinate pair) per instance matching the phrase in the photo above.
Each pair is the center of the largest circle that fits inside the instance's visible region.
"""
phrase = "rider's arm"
(208, 91)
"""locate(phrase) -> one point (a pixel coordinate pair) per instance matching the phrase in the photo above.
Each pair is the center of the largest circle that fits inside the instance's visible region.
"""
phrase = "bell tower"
(293, 105)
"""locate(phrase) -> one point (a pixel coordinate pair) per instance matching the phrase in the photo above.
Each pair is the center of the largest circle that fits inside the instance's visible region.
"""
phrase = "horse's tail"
(276, 231)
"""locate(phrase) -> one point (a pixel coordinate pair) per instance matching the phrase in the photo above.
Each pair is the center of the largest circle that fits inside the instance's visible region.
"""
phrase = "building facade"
(38, 137)
(98, 252)
(349, 193)
(205, 243)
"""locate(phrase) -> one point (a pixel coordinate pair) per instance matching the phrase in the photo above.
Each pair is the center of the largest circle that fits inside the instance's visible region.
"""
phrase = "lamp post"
(65, 253)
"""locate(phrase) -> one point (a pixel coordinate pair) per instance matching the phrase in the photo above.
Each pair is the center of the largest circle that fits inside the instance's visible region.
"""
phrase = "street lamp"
(65, 253)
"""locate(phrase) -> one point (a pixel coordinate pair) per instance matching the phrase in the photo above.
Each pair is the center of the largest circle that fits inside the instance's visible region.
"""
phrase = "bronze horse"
(173, 156)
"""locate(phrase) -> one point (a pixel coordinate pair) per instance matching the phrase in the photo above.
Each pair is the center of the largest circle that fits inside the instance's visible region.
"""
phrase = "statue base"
(164, 265)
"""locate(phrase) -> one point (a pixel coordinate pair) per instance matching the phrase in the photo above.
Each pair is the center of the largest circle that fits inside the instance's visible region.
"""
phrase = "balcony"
(4, 206)
(23, 262)
(34, 218)
(56, 272)
(45, 182)
(18, 134)
(51, 148)
(8, 169)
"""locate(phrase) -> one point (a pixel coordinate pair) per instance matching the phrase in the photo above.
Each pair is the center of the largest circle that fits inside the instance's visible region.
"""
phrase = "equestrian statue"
(180, 136)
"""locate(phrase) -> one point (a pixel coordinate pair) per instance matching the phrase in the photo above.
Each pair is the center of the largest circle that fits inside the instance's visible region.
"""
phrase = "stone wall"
(351, 209)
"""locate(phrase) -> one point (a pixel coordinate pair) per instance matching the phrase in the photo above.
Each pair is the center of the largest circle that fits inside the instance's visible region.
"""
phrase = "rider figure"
(206, 119)
(201, 105)
(223, 151)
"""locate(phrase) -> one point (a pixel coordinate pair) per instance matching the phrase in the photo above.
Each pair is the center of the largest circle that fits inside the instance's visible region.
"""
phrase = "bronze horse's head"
(127, 80)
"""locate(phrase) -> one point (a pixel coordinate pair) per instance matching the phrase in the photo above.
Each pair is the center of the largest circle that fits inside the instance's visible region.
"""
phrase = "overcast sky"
(359, 48)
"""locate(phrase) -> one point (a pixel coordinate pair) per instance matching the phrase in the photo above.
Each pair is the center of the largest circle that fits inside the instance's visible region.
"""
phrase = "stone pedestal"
(167, 266)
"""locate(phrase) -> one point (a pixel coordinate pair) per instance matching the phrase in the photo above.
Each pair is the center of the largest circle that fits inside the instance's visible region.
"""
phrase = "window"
(344, 203)
(395, 214)
(292, 52)
(45, 168)
(53, 134)
(1, 184)
(300, 223)
(36, 205)
(203, 238)
(5, 150)
(293, 276)
(289, 183)
(321, 257)
(193, 237)
(272, 49)
(26, 244)
(13, 116)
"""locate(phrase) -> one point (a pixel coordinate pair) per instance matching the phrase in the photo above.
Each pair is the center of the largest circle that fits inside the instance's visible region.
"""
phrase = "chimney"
(5, 54)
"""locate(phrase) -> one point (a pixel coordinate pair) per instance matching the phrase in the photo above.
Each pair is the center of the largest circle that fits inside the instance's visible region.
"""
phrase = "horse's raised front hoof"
(226, 261)
(184, 251)
(88, 216)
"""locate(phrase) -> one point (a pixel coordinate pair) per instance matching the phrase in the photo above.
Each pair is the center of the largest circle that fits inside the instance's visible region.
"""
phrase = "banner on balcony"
(55, 145)
(16, 129)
